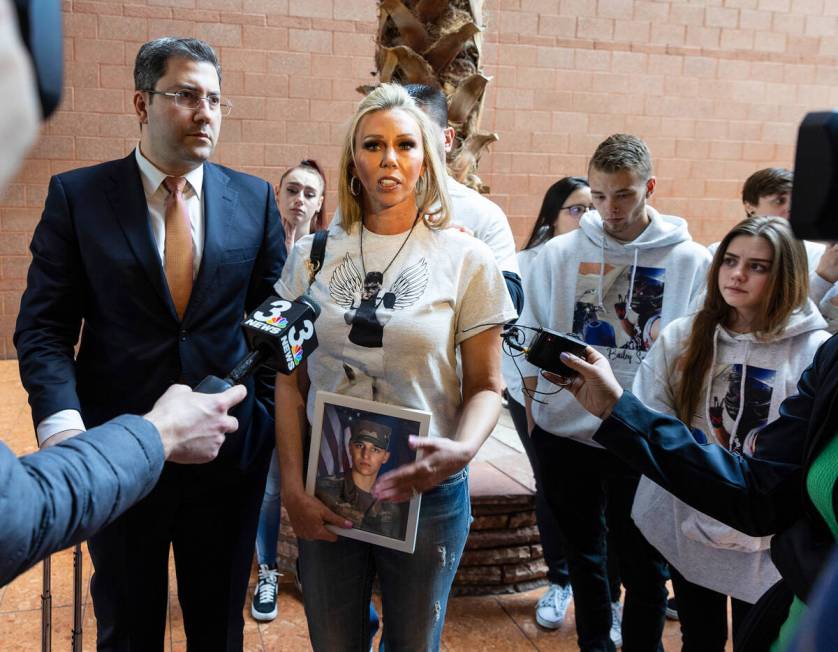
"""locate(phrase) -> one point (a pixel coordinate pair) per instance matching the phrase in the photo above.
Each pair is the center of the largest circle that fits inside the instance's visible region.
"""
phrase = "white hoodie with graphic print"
(747, 381)
(614, 295)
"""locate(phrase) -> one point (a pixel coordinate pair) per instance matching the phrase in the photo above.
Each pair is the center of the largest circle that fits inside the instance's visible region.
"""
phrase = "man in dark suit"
(159, 255)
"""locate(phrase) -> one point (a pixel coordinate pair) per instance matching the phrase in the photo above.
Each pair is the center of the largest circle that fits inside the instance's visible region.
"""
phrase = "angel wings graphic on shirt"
(368, 306)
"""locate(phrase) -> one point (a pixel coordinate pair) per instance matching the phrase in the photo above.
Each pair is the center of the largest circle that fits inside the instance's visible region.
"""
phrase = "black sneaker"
(264, 607)
(671, 609)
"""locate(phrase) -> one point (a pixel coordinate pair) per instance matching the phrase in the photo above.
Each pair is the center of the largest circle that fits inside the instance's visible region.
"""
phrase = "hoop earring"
(352, 181)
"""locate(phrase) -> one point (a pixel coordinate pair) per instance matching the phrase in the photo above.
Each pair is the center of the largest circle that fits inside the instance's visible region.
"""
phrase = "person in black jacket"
(769, 493)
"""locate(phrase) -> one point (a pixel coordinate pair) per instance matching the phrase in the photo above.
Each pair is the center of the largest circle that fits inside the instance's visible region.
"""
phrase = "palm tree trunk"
(438, 42)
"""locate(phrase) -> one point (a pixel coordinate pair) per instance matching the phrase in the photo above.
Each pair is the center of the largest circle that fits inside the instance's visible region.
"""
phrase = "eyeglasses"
(191, 100)
(576, 210)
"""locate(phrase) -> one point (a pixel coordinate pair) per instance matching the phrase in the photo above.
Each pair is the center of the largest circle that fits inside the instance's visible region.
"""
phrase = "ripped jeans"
(337, 579)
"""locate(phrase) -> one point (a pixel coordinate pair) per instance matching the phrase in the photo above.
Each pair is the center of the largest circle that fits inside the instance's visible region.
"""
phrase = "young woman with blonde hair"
(400, 296)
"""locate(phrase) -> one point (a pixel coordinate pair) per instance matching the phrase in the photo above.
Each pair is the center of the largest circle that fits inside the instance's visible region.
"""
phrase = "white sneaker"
(263, 607)
(617, 624)
(551, 608)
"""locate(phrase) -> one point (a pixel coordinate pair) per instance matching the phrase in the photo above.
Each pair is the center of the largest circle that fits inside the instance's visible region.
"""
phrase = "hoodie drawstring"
(740, 409)
(734, 436)
(708, 384)
(631, 283)
(599, 304)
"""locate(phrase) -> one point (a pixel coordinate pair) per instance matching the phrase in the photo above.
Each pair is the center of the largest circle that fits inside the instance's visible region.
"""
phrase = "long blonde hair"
(787, 291)
(432, 199)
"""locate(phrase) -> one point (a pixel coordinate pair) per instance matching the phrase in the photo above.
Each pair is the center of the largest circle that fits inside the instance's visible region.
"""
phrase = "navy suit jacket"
(95, 262)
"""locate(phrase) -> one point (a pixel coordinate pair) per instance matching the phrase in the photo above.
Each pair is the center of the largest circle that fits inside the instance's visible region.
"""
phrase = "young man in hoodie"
(615, 282)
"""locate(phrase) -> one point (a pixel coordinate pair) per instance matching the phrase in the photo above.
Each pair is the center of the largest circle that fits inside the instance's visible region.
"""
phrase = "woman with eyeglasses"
(563, 205)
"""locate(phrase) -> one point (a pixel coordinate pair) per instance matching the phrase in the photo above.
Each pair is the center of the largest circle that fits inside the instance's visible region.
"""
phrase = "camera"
(814, 194)
(546, 348)
(40, 31)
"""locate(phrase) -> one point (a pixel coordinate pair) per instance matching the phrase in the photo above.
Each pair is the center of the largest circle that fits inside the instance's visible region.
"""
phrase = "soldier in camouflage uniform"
(348, 493)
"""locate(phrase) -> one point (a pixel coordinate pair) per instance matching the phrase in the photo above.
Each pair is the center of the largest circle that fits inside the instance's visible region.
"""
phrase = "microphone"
(280, 335)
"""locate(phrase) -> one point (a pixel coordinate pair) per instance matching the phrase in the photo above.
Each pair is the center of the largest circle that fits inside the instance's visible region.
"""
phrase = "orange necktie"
(178, 245)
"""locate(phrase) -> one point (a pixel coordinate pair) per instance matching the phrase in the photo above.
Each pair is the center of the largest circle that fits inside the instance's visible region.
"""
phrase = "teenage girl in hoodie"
(725, 371)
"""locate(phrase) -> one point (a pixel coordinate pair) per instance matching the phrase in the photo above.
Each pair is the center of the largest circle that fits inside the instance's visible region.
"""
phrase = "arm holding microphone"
(281, 336)
(755, 495)
(761, 495)
(62, 495)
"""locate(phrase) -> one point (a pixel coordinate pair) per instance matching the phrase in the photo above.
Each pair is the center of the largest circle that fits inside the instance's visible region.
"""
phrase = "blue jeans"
(337, 579)
(267, 531)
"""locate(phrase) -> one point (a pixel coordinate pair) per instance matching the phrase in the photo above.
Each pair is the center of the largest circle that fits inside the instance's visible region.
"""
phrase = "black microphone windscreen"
(311, 303)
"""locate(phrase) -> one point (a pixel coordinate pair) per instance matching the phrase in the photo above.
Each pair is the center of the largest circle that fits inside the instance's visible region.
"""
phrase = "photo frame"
(354, 441)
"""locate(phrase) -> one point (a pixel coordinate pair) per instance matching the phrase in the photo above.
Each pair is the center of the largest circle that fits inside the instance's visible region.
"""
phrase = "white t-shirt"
(486, 220)
(397, 342)
(511, 366)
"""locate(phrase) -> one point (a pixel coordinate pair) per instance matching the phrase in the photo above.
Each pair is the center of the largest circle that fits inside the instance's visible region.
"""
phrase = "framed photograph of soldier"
(356, 441)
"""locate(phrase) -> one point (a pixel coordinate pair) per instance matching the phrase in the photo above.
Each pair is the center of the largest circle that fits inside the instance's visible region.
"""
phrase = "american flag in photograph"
(334, 458)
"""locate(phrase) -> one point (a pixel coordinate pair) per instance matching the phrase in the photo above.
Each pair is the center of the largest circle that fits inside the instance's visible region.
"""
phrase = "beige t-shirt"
(396, 340)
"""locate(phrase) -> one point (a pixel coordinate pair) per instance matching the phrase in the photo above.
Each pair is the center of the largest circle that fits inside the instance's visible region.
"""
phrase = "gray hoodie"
(614, 295)
(704, 550)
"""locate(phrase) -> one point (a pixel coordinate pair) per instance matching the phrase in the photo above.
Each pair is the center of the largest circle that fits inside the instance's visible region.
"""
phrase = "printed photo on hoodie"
(740, 402)
(619, 311)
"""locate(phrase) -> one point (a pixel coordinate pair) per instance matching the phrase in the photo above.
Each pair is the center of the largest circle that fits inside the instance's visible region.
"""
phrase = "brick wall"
(717, 88)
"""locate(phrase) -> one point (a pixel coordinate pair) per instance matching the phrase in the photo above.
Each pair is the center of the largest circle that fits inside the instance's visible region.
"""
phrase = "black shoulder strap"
(318, 253)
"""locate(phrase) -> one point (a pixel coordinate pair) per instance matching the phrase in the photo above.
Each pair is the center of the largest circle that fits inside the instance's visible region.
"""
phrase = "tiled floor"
(482, 623)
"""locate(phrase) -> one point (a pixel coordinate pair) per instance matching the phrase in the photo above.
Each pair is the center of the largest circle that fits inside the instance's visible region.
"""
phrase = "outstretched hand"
(441, 458)
(594, 384)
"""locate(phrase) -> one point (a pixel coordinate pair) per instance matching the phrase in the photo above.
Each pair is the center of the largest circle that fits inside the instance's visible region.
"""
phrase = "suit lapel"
(127, 198)
(220, 206)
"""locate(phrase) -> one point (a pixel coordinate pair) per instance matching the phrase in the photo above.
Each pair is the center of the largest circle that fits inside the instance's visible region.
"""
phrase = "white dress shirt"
(155, 195)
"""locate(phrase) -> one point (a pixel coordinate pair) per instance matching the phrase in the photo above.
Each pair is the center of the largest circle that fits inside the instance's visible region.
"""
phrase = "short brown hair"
(622, 152)
(153, 56)
(765, 182)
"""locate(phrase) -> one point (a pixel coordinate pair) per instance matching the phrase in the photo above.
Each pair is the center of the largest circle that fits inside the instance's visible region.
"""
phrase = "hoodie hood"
(806, 319)
(663, 231)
